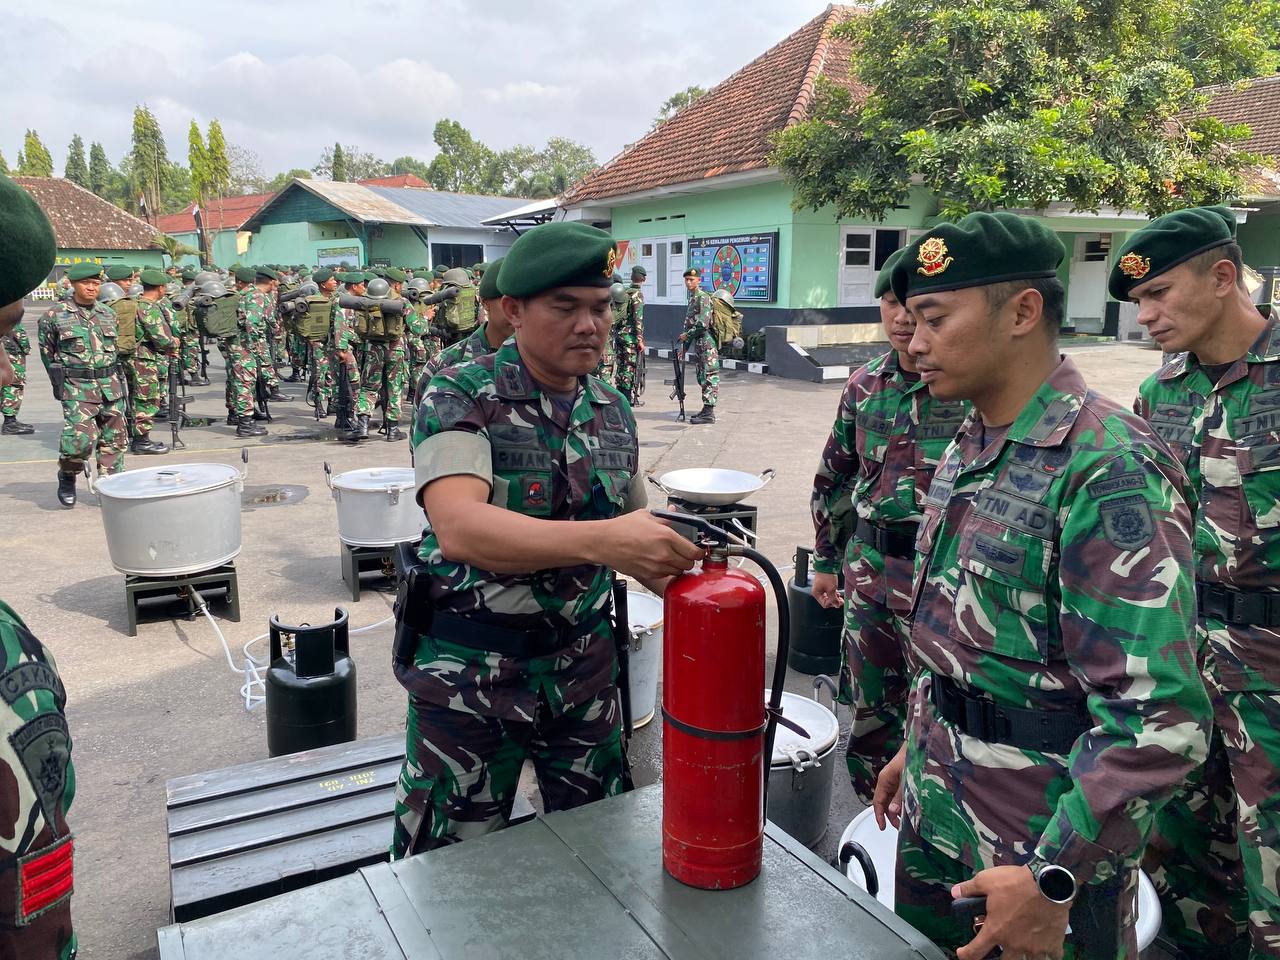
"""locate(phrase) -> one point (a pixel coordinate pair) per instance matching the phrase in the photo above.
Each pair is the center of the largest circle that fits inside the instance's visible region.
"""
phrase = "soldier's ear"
(1026, 311)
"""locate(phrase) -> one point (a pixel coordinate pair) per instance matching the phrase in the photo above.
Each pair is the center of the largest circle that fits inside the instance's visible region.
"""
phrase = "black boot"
(162, 413)
(259, 413)
(13, 427)
(66, 489)
(199, 381)
(359, 430)
(705, 415)
(247, 428)
(393, 432)
(275, 396)
(232, 419)
(143, 444)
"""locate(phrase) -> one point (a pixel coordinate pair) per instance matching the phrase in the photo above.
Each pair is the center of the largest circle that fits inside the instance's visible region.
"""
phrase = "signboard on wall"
(332, 256)
(746, 265)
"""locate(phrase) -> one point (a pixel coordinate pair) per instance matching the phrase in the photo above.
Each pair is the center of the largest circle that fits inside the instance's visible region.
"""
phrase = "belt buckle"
(1245, 608)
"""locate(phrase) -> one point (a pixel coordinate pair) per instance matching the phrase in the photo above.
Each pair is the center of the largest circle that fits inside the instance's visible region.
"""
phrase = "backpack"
(726, 322)
(460, 315)
(220, 320)
(314, 324)
(126, 311)
(383, 328)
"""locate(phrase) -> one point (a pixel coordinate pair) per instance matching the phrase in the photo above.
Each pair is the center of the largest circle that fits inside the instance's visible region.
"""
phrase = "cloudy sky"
(289, 78)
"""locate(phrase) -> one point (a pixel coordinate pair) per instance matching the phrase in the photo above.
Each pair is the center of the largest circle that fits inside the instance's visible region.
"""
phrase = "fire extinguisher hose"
(780, 664)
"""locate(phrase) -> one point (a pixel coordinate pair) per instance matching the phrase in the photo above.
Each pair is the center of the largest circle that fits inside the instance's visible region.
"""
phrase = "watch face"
(1056, 883)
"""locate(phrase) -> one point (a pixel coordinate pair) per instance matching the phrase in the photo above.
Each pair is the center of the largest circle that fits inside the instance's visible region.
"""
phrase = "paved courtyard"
(164, 703)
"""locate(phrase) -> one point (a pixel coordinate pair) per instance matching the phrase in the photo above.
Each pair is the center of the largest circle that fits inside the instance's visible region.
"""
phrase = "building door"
(863, 251)
(1087, 283)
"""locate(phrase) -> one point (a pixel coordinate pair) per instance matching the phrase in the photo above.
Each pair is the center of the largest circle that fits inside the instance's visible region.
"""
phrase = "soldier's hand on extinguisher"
(642, 546)
(826, 591)
(887, 800)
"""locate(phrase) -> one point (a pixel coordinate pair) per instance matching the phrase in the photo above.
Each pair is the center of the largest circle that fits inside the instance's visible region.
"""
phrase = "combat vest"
(126, 311)
(220, 319)
(379, 328)
(314, 323)
(460, 314)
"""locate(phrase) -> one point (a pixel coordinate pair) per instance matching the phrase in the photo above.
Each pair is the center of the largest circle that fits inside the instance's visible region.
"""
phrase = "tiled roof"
(1256, 103)
(225, 214)
(727, 130)
(82, 220)
(397, 180)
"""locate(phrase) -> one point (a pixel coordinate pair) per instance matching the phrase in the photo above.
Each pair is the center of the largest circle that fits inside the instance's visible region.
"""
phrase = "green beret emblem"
(933, 257)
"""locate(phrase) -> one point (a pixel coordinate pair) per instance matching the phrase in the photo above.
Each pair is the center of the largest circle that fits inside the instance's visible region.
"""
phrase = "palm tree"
(173, 248)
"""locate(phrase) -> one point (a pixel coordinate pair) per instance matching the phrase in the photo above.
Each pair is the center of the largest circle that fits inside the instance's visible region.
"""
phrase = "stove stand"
(358, 561)
(152, 599)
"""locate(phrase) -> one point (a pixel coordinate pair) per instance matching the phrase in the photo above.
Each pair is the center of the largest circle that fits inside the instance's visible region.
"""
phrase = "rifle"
(678, 362)
(177, 403)
(128, 399)
(345, 400)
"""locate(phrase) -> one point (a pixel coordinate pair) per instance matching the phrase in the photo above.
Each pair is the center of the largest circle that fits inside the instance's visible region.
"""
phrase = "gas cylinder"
(310, 686)
(815, 629)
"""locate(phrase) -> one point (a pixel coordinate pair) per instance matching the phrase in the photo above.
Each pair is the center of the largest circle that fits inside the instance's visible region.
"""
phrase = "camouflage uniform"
(628, 337)
(1054, 576)
(39, 783)
(155, 340)
(18, 346)
(475, 713)
(421, 342)
(319, 362)
(184, 327)
(83, 340)
(383, 377)
(608, 358)
(264, 335)
(888, 437)
(469, 348)
(1228, 437)
(244, 352)
(698, 339)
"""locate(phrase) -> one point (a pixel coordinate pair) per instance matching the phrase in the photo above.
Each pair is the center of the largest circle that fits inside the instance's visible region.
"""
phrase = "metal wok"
(711, 486)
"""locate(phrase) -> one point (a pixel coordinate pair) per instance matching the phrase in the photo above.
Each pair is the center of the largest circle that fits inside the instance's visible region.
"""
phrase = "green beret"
(489, 282)
(27, 247)
(265, 273)
(1168, 241)
(189, 273)
(245, 274)
(153, 277)
(354, 276)
(394, 275)
(558, 254)
(439, 271)
(323, 275)
(885, 277)
(981, 249)
(638, 273)
(693, 272)
(369, 275)
(84, 271)
(118, 271)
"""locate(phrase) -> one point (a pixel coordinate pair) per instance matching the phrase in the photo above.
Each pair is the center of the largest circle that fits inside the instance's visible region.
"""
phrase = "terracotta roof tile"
(727, 130)
(1256, 103)
(82, 220)
(225, 214)
(397, 180)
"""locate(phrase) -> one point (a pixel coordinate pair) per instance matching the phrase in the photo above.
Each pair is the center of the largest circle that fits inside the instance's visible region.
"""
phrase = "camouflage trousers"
(874, 681)
(321, 380)
(266, 368)
(11, 396)
(384, 375)
(1102, 917)
(461, 770)
(338, 367)
(707, 370)
(627, 371)
(242, 377)
(92, 428)
(191, 354)
(143, 377)
(296, 348)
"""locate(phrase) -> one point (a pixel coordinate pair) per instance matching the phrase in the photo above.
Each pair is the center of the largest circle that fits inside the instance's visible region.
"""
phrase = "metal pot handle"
(88, 476)
(659, 485)
(328, 475)
(393, 494)
(244, 458)
(767, 474)
(853, 850)
(820, 681)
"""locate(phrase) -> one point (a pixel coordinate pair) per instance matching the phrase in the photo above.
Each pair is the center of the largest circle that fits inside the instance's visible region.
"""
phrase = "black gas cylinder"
(815, 630)
(310, 690)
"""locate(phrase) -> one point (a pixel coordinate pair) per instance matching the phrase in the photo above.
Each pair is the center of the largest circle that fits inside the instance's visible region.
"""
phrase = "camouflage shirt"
(255, 310)
(1055, 573)
(697, 316)
(155, 333)
(888, 437)
(16, 342)
(1227, 436)
(38, 786)
(576, 463)
(342, 324)
(83, 340)
(628, 329)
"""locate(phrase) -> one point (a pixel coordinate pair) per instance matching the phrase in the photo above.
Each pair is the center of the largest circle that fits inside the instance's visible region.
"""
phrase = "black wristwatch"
(1057, 884)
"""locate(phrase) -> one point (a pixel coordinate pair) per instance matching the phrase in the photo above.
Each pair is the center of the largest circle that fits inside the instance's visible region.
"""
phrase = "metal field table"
(585, 883)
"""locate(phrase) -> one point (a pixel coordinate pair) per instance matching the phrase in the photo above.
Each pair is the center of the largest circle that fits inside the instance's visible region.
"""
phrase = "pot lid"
(153, 483)
(819, 723)
(375, 479)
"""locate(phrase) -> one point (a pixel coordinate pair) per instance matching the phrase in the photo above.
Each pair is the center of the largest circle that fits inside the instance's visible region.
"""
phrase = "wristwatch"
(1057, 884)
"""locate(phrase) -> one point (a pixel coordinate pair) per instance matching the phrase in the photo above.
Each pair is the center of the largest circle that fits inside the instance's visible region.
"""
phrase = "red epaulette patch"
(44, 879)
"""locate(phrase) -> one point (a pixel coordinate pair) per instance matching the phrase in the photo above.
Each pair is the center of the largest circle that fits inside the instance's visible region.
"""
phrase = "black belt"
(899, 541)
(88, 373)
(1238, 606)
(1048, 731)
(509, 641)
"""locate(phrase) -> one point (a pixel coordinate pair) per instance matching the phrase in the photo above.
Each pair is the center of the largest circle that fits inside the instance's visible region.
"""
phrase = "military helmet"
(618, 293)
(377, 288)
(135, 289)
(110, 292)
(213, 288)
(725, 295)
(417, 288)
(457, 276)
(308, 288)
(203, 277)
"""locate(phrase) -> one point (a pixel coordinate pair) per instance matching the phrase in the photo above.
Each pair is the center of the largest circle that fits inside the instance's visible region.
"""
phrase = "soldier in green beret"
(1217, 404)
(528, 469)
(698, 337)
(1057, 701)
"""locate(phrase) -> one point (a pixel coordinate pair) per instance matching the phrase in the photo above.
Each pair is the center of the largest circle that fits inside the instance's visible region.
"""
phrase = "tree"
(99, 169)
(410, 165)
(463, 161)
(76, 169)
(349, 163)
(34, 160)
(198, 164)
(337, 163)
(173, 248)
(675, 103)
(1019, 104)
(4, 166)
(148, 159)
(244, 171)
(218, 170)
(282, 180)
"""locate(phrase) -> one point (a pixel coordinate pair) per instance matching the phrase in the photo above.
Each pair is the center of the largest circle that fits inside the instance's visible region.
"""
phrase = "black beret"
(1168, 241)
(27, 247)
(558, 254)
(489, 281)
(982, 249)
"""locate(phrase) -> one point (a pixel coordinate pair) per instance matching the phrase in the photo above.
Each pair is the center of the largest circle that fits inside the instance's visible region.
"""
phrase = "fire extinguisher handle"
(688, 519)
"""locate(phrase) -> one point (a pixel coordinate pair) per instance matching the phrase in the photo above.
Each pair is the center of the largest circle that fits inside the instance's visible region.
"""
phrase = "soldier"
(617, 303)
(245, 350)
(18, 346)
(383, 374)
(78, 348)
(628, 339)
(266, 331)
(1218, 406)
(876, 467)
(155, 339)
(518, 661)
(190, 337)
(1058, 703)
(697, 337)
(346, 341)
(318, 349)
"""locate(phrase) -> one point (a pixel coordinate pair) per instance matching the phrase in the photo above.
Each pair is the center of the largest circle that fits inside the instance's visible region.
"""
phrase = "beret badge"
(611, 263)
(1135, 265)
(933, 257)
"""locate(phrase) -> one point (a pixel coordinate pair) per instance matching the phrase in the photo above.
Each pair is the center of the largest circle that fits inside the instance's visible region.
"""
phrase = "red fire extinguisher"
(717, 733)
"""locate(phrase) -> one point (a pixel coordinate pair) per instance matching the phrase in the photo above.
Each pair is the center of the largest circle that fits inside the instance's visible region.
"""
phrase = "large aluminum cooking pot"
(802, 769)
(171, 521)
(712, 486)
(376, 506)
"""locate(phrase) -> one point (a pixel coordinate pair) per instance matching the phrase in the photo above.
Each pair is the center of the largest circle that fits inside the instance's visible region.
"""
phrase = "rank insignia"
(1135, 265)
(610, 263)
(933, 257)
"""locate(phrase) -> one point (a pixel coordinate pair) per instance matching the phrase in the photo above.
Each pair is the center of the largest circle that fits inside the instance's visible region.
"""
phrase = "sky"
(288, 79)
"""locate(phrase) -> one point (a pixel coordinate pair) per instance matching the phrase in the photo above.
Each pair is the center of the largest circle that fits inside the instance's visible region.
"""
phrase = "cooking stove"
(739, 519)
(359, 561)
(152, 599)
